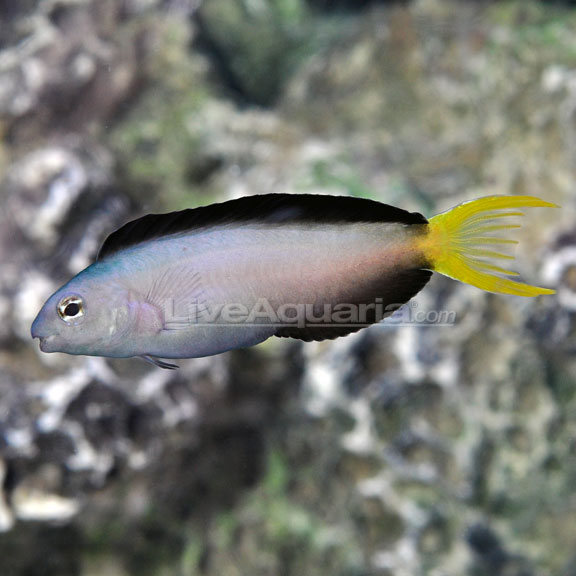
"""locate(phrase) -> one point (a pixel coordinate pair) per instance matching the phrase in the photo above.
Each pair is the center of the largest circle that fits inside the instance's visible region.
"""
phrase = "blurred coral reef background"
(397, 451)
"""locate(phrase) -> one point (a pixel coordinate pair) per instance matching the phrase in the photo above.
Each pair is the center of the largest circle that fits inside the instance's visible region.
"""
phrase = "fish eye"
(70, 308)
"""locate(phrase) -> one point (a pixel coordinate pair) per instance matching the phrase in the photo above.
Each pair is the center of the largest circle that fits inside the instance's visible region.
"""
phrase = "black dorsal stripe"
(264, 209)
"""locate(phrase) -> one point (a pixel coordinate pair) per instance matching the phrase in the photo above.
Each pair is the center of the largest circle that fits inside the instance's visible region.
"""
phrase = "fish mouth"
(39, 331)
(46, 343)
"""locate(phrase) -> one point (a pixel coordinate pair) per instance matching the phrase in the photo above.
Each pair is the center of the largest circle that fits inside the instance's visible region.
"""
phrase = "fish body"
(200, 282)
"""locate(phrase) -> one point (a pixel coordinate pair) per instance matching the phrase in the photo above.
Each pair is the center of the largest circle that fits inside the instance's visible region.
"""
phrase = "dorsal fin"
(264, 209)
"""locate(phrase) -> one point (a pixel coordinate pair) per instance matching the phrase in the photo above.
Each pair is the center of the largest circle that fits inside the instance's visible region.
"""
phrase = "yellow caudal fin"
(462, 242)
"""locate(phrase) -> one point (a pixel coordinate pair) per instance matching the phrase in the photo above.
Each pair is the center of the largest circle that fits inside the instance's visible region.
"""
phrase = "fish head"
(86, 316)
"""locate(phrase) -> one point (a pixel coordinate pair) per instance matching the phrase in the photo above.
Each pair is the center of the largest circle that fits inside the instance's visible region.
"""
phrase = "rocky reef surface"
(404, 449)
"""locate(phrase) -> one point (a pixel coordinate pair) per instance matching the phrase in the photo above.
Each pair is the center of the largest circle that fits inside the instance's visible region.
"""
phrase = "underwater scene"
(435, 435)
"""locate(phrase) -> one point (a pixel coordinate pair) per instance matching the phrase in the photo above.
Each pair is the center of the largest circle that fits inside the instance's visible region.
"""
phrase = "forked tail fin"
(462, 242)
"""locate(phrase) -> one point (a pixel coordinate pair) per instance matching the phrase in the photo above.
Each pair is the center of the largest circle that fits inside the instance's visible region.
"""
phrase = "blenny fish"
(206, 280)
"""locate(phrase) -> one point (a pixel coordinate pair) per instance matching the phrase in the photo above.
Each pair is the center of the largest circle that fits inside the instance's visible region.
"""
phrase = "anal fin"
(391, 293)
